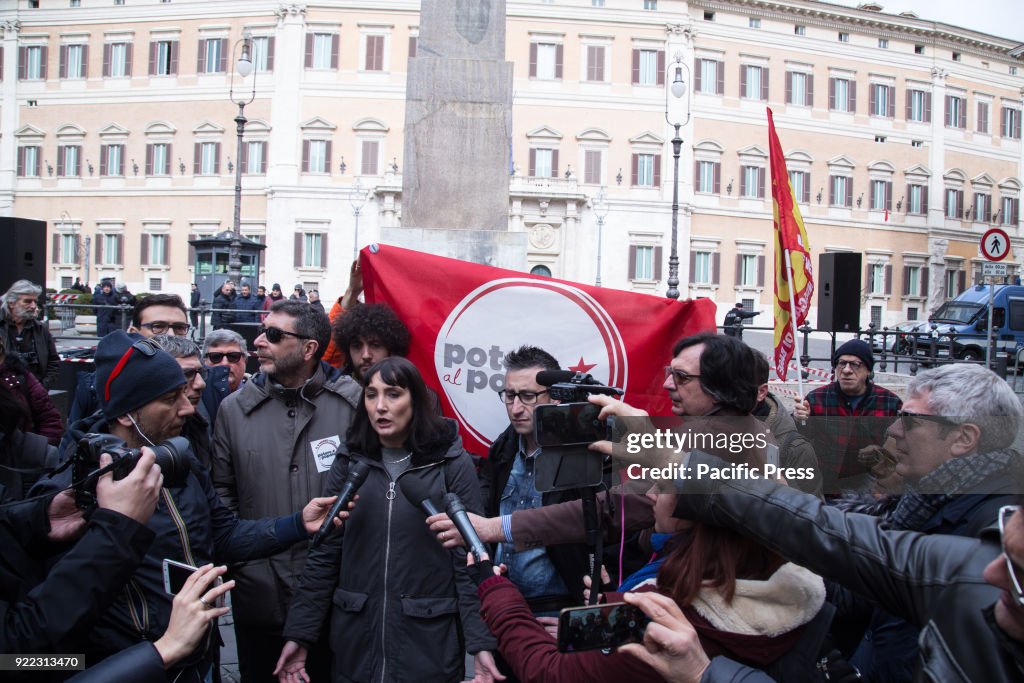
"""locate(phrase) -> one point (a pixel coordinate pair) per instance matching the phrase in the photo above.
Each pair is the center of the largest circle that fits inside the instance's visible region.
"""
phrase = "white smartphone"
(177, 573)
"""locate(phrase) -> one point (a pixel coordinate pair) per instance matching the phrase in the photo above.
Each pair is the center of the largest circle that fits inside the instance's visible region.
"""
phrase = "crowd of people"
(897, 558)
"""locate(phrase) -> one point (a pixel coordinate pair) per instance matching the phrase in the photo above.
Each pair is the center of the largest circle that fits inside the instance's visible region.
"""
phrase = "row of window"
(709, 78)
(68, 249)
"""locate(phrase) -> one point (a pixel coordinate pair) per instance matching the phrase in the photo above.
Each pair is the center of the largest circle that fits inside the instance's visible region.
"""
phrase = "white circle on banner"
(562, 320)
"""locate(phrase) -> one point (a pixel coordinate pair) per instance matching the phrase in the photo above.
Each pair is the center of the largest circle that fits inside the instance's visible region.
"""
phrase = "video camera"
(171, 455)
(566, 429)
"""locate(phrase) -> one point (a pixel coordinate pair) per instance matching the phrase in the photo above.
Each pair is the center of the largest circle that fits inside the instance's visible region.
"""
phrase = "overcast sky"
(1004, 18)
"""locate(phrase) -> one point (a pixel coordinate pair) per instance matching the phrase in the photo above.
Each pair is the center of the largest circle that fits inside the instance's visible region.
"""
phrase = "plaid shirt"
(838, 432)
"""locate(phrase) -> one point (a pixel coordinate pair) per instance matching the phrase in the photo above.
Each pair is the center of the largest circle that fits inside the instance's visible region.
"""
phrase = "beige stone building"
(902, 136)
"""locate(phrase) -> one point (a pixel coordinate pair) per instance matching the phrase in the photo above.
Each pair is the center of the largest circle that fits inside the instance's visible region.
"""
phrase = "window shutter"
(908, 110)
(201, 58)
(764, 84)
(720, 78)
(661, 67)
(104, 150)
(23, 63)
(962, 280)
(716, 264)
(533, 163)
(270, 53)
(906, 280)
(144, 258)
(1002, 120)
(634, 176)
(119, 241)
(85, 61)
(243, 157)
(963, 114)
(632, 262)
(739, 269)
(743, 182)
(924, 282)
(693, 266)
(831, 94)
(809, 89)
(327, 157)
(298, 250)
(849, 192)
(222, 63)
(657, 170)
(309, 50)
(743, 81)
(696, 74)
(657, 263)
(216, 158)
(305, 156)
(43, 59)
(760, 271)
(174, 58)
(696, 177)
(60, 160)
(635, 67)
(892, 102)
(924, 199)
(559, 56)
(949, 112)
(263, 157)
(789, 87)
(197, 157)
(335, 39)
(853, 97)
(128, 60)
(760, 183)
(831, 190)
(807, 188)
(20, 167)
(99, 249)
(191, 249)
(872, 98)
(63, 59)
(927, 107)
(323, 250)
(149, 160)
(718, 178)
(412, 47)
(888, 279)
(56, 249)
(106, 60)
(888, 196)
(533, 60)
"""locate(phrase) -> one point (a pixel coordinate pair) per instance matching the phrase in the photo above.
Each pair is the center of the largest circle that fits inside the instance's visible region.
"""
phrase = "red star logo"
(582, 367)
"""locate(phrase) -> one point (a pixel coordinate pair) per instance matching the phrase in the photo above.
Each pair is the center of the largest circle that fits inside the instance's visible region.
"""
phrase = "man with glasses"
(197, 428)
(227, 348)
(831, 416)
(274, 442)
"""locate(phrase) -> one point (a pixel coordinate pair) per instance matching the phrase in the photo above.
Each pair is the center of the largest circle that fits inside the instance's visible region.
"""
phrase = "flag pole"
(792, 318)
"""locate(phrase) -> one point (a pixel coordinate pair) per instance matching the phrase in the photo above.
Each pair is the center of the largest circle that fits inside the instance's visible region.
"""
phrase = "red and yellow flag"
(791, 246)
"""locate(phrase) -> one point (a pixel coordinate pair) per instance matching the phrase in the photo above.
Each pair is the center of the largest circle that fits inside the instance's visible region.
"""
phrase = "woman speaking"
(399, 607)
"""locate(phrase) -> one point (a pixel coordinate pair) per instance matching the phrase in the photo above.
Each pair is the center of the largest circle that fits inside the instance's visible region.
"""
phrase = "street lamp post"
(675, 90)
(600, 206)
(243, 66)
(357, 199)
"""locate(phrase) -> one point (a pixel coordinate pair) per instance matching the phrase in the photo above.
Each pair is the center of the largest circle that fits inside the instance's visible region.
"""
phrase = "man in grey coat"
(274, 442)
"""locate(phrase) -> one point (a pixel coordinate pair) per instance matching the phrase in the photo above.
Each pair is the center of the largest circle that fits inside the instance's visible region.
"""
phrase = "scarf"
(650, 570)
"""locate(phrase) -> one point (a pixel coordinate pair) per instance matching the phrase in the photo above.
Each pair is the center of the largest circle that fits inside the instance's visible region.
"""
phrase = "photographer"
(144, 401)
(40, 608)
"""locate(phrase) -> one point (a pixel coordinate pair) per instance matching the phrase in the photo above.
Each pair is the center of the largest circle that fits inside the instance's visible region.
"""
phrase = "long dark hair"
(426, 427)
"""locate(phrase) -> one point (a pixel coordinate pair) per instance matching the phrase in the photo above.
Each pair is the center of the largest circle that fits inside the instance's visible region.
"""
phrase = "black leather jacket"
(934, 582)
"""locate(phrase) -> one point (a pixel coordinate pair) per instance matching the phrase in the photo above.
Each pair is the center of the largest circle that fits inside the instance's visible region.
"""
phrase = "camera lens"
(172, 456)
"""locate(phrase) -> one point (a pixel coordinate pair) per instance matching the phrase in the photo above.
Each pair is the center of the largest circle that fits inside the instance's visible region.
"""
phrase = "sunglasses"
(190, 374)
(215, 357)
(275, 335)
(160, 327)
(914, 420)
(1016, 592)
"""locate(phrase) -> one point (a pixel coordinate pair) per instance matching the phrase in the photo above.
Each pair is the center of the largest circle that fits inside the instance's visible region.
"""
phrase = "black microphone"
(419, 494)
(357, 472)
(548, 378)
(457, 513)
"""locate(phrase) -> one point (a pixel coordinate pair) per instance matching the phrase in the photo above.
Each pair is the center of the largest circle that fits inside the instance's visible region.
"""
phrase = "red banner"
(464, 317)
(790, 241)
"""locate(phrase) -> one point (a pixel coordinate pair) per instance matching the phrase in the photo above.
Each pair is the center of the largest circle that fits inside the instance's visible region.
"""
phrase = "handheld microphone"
(356, 476)
(457, 513)
(419, 494)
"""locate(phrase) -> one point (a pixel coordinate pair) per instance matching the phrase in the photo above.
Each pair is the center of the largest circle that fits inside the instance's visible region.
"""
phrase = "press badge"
(324, 450)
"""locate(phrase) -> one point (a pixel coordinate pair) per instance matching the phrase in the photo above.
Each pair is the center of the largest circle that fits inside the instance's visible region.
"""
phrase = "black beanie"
(131, 371)
(855, 347)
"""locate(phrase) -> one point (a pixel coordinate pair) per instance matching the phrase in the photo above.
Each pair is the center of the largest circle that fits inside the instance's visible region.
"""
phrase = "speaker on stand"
(839, 282)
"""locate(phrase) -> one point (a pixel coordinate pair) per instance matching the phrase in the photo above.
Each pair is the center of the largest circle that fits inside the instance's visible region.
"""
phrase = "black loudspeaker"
(839, 292)
(23, 256)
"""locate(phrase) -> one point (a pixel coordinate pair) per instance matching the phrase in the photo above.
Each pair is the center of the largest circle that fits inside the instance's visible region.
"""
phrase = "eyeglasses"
(678, 376)
(852, 364)
(190, 374)
(1016, 592)
(215, 357)
(913, 420)
(161, 326)
(275, 335)
(527, 398)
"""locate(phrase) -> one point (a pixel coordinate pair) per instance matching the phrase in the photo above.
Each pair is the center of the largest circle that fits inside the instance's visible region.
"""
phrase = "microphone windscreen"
(547, 378)
(357, 472)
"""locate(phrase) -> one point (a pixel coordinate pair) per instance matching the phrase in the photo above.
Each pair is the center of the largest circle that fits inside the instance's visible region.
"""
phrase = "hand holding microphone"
(419, 494)
(357, 472)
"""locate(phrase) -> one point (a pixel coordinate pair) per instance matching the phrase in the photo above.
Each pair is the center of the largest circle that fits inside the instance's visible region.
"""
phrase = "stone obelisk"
(458, 122)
